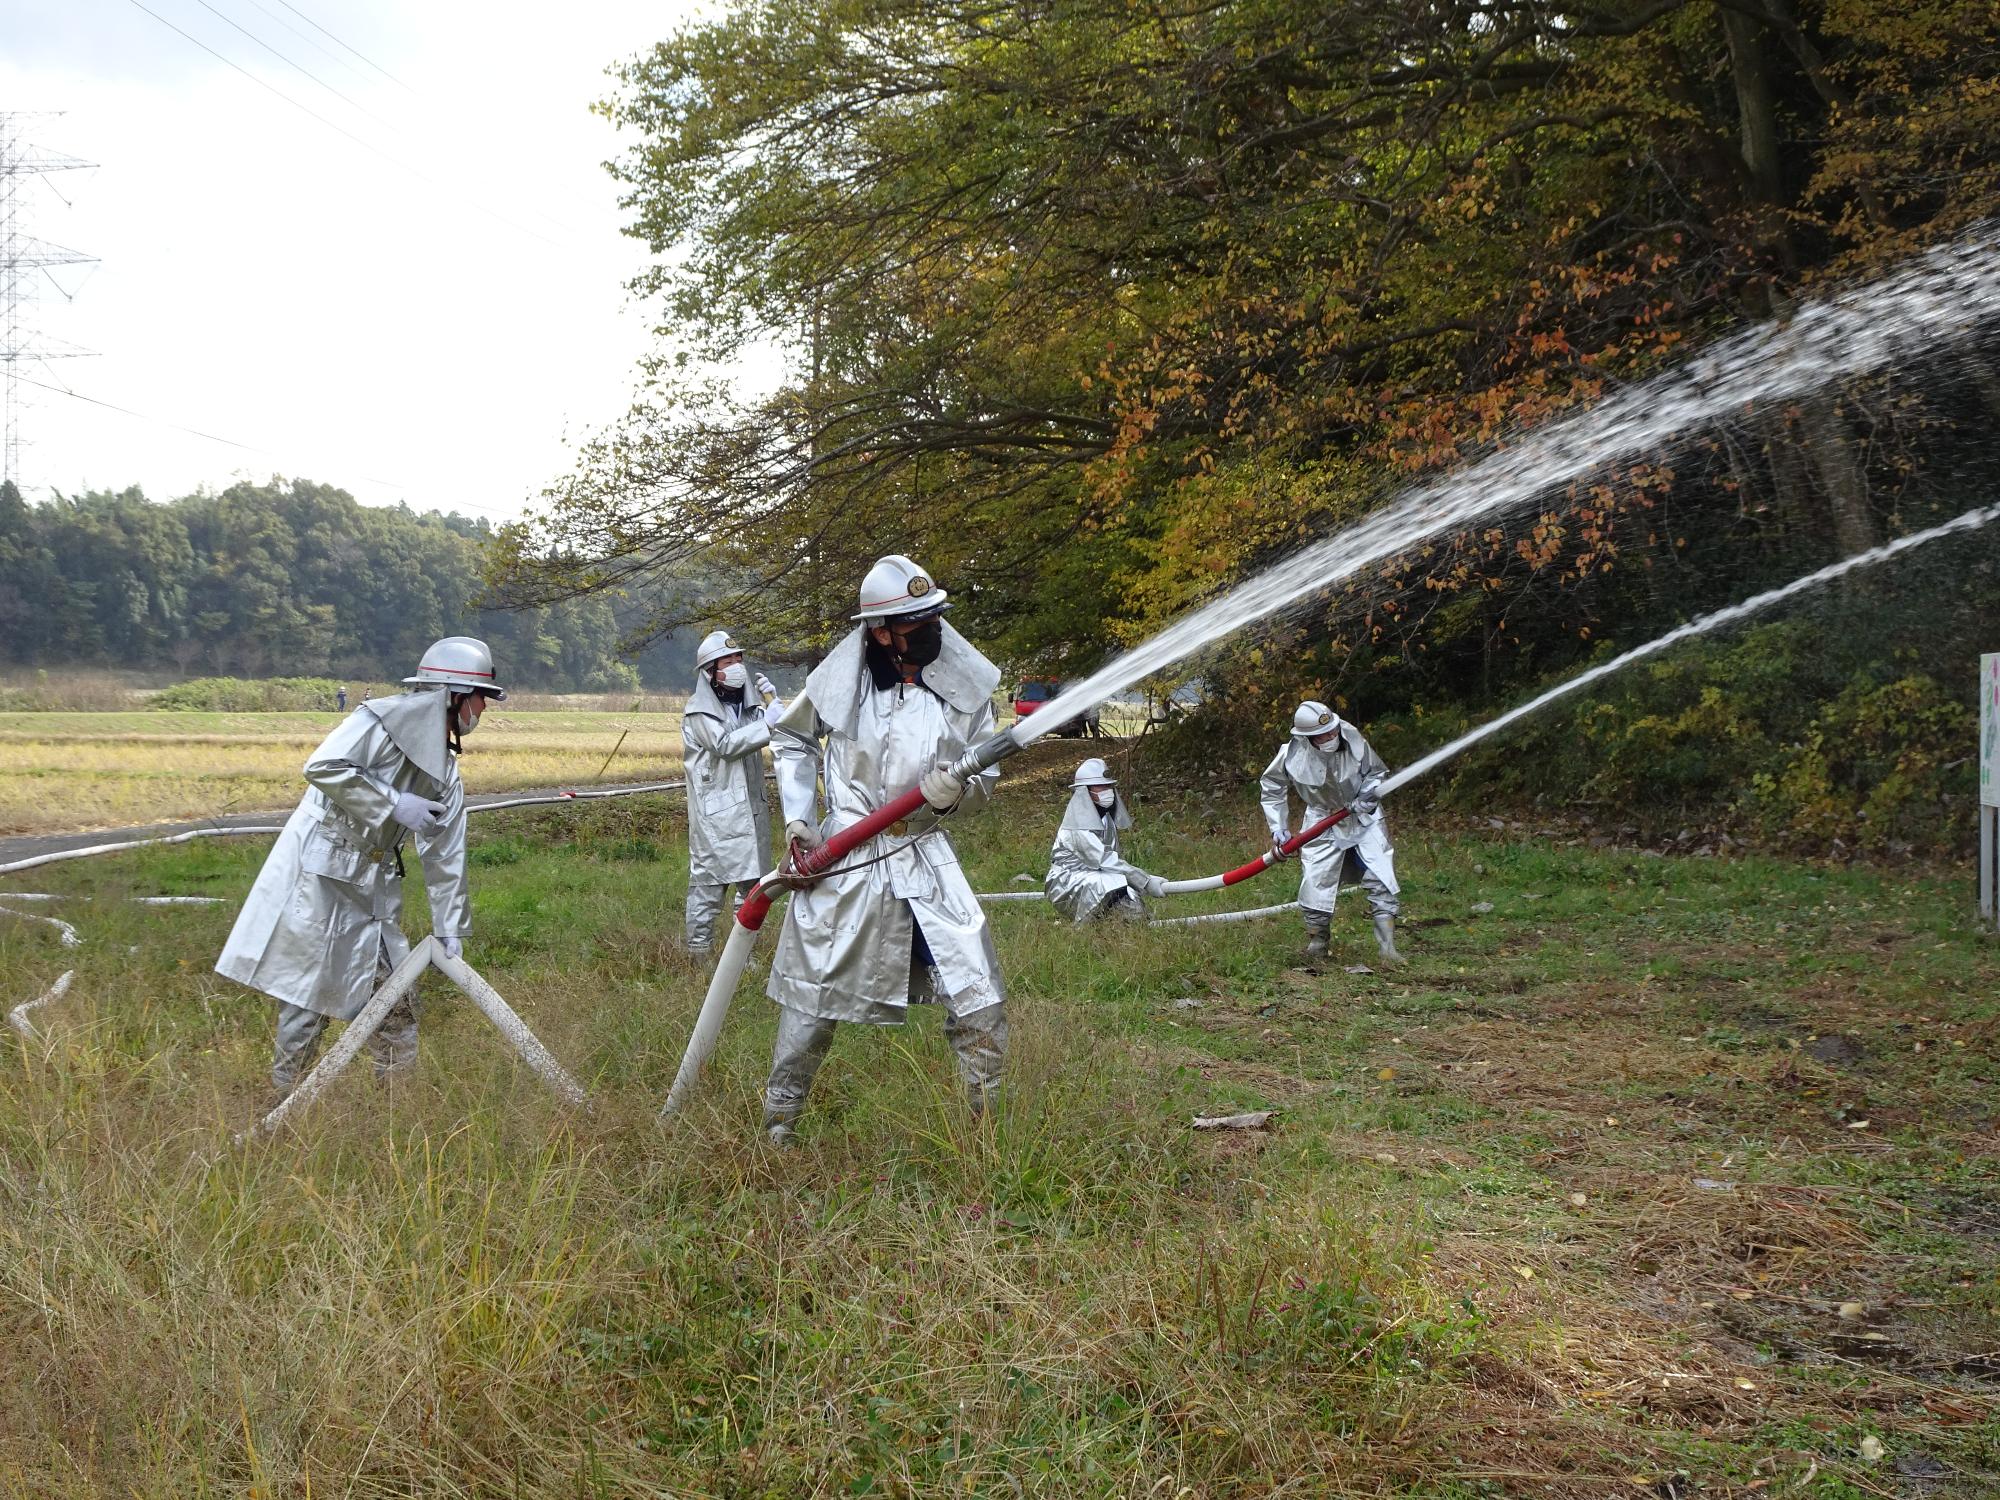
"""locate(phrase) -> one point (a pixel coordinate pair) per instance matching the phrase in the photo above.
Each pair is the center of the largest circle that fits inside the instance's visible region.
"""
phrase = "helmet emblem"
(1326, 718)
(919, 586)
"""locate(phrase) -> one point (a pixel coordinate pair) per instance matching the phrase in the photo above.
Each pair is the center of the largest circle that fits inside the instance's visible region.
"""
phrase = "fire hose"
(750, 915)
(756, 906)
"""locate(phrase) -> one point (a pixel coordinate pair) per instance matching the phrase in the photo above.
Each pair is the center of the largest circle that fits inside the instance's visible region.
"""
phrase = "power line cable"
(366, 145)
(362, 55)
(390, 484)
(299, 67)
(318, 47)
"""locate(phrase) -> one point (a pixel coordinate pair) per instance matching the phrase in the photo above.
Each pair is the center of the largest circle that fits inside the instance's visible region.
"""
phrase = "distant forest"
(284, 578)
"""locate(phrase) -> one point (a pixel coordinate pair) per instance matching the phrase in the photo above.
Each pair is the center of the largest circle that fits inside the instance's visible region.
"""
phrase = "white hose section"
(18, 1016)
(38, 860)
(1224, 916)
(1010, 896)
(362, 1027)
(1188, 887)
(509, 1024)
(69, 937)
(714, 1011)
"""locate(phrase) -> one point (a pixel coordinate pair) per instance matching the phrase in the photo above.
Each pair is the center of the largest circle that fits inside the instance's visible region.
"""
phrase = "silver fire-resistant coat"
(729, 820)
(844, 953)
(325, 906)
(1326, 781)
(1085, 867)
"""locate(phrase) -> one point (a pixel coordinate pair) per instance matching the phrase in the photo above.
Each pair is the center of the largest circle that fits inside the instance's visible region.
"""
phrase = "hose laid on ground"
(37, 860)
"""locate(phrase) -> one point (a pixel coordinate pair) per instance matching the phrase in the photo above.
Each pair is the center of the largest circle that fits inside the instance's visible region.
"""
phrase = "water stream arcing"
(1935, 300)
(1971, 520)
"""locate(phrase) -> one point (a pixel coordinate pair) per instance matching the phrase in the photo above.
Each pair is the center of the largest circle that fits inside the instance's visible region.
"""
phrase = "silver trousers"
(393, 1046)
(704, 903)
(978, 1039)
(1382, 902)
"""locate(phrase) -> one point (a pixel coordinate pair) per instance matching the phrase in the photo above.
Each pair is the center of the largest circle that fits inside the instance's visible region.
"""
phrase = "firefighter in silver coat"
(318, 932)
(1088, 876)
(892, 706)
(724, 730)
(1331, 766)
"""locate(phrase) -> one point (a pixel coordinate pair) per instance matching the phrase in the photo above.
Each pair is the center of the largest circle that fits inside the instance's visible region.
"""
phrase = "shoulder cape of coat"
(416, 722)
(1082, 814)
(961, 675)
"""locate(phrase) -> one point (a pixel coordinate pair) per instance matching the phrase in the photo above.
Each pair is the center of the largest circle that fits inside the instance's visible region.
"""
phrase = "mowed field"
(62, 772)
(1655, 1177)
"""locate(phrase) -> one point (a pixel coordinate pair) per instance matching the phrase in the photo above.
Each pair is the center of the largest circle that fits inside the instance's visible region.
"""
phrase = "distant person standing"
(724, 730)
(340, 698)
(318, 931)
(1331, 765)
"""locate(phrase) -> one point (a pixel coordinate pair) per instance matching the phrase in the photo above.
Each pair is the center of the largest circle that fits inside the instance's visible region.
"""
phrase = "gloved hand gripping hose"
(750, 915)
(1261, 863)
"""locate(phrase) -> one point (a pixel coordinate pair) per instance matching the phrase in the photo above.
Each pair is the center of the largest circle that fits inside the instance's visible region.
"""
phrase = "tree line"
(1096, 307)
(287, 578)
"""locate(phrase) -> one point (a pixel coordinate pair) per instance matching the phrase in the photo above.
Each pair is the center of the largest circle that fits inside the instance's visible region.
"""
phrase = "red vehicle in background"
(1036, 691)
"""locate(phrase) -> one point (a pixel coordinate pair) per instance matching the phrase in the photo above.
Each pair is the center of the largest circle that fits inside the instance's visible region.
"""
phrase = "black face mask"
(924, 643)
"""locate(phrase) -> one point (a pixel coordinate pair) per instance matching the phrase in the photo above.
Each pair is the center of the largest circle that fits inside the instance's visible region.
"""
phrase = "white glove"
(804, 834)
(1367, 800)
(774, 710)
(453, 947)
(1156, 885)
(1278, 854)
(801, 838)
(766, 689)
(942, 788)
(418, 814)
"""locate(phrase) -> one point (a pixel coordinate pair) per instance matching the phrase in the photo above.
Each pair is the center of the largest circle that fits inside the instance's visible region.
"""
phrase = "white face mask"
(1105, 797)
(735, 675)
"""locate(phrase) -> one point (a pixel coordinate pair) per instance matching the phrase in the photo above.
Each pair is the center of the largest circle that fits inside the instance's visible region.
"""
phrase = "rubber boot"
(1319, 928)
(1385, 937)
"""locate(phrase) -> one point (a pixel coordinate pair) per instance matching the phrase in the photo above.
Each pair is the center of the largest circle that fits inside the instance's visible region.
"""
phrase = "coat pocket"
(720, 798)
(321, 854)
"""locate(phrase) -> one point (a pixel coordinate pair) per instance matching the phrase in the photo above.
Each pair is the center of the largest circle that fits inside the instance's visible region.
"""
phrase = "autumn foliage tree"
(1096, 305)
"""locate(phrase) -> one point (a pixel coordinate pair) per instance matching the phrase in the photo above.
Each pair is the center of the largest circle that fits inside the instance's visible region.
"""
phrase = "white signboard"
(1989, 730)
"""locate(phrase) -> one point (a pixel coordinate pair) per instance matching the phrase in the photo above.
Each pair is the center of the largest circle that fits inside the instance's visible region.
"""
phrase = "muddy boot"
(1385, 937)
(1319, 928)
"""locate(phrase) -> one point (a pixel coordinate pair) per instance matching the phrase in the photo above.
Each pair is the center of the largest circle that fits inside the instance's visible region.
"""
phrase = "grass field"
(73, 771)
(65, 771)
(1570, 1206)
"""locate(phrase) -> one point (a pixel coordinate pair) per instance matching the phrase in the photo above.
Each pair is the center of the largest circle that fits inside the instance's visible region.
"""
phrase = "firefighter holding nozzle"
(319, 930)
(1331, 766)
(894, 705)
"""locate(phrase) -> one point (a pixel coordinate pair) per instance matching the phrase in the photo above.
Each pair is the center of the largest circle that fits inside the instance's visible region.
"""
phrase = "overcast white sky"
(265, 279)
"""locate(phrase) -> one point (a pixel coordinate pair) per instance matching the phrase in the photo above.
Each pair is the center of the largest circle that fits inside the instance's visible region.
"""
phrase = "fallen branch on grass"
(1256, 1119)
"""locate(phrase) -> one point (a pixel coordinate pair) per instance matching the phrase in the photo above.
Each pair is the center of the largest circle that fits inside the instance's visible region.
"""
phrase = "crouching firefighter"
(318, 932)
(1331, 766)
(723, 734)
(1088, 877)
(892, 706)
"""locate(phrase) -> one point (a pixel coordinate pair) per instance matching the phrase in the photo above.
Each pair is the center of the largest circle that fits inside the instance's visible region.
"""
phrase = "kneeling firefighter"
(1088, 877)
(318, 932)
(895, 703)
(1331, 766)
(723, 732)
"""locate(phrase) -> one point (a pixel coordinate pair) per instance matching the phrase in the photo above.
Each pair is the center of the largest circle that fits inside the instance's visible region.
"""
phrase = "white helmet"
(459, 661)
(714, 646)
(1313, 719)
(1094, 772)
(897, 586)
